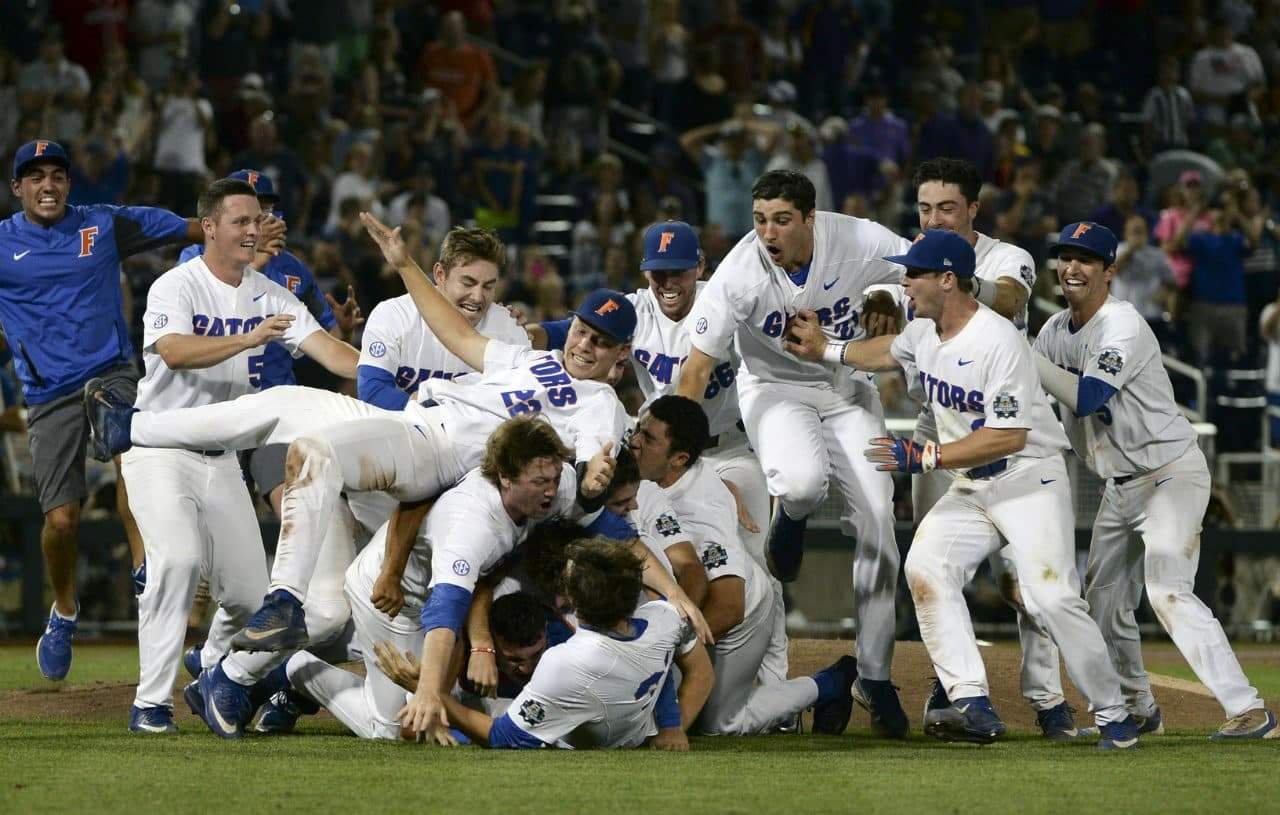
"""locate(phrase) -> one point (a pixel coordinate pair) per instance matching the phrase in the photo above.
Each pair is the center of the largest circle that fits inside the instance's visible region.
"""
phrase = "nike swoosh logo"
(262, 635)
(222, 723)
(21, 255)
(423, 432)
(259, 297)
(827, 286)
(964, 709)
(1047, 480)
(964, 362)
(152, 728)
(1161, 481)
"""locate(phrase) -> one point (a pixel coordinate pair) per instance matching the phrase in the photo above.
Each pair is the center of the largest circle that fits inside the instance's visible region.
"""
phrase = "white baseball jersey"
(397, 340)
(657, 522)
(599, 689)
(467, 535)
(749, 300)
(189, 300)
(659, 349)
(1140, 428)
(709, 515)
(984, 376)
(1272, 381)
(517, 380)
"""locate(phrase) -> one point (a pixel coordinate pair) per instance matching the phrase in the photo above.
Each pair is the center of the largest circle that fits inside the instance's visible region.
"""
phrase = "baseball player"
(802, 418)
(339, 443)
(1004, 275)
(1100, 358)
(740, 607)
(998, 434)
(61, 309)
(207, 323)
(601, 688)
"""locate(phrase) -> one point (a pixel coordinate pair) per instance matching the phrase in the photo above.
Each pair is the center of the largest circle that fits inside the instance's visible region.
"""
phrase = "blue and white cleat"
(280, 625)
(110, 420)
(831, 714)
(281, 714)
(139, 576)
(191, 660)
(786, 545)
(156, 719)
(53, 651)
(1121, 735)
(226, 703)
(1252, 724)
(194, 699)
(1059, 724)
(937, 699)
(880, 699)
(972, 720)
(1152, 725)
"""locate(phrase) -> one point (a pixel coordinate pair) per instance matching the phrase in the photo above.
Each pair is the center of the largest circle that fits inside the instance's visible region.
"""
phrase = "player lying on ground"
(338, 443)
(1001, 439)
(1100, 359)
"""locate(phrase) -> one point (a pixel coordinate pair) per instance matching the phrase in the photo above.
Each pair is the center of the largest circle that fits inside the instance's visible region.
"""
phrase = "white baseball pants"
(1164, 508)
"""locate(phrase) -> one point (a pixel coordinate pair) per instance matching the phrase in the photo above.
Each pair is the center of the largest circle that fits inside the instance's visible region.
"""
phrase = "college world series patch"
(1005, 406)
(1110, 360)
(667, 525)
(532, 711)
(714, 556)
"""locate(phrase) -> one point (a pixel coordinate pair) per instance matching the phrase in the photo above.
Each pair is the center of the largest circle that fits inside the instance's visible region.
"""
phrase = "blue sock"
(829, 683)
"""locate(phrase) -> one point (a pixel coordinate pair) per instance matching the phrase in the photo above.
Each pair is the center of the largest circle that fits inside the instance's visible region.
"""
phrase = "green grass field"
(93, 764)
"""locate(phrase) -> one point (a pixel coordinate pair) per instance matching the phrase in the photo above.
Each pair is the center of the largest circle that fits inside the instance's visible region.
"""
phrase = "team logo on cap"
(1111, 360)
(665, 240)
(714, 556)
(607, 306)
(1081, 228)
(946, 261)
(533, 712)
(1005, 406)
(41, 146)
(253, 178)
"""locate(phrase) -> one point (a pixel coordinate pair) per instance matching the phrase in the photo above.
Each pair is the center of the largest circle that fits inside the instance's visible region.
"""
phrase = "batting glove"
(890, 453)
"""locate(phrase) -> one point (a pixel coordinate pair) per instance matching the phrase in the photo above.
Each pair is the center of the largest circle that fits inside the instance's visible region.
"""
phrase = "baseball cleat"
(139, 576)
(1059, 724)
(281, 713)
(195, 701)
(1152, 725)
(973, 720)
(937, 699)
(226, 703)
(831, 714)
(1252, 724)
(280, 625)
(156, 719)
(53, 651)
(1121, 735)
(786, 545)
(880, 699)
(191, 660)
(110, 419)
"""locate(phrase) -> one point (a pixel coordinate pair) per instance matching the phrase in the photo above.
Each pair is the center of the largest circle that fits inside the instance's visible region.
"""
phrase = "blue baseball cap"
(1095, 239)
(260, 181)
(610, 313)
(37, 151)
(939, 250)
(670, 245)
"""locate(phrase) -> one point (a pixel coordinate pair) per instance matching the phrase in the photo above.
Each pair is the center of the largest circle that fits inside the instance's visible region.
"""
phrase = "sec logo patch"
(701, 327)
(161, 321)
(461, 568)
(377, 349)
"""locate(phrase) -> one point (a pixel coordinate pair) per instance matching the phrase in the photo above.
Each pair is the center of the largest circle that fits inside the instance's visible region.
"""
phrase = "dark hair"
(788, 185)
(950, 171)
(604, 582)
(626, 470)
(686, 423)
(965, 284)
(545, 553)
(462, 245)
(518, 619)
(210, 203)
(517, 442)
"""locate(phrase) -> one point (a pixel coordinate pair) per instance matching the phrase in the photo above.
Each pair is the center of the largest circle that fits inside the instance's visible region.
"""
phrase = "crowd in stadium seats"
(570, 125)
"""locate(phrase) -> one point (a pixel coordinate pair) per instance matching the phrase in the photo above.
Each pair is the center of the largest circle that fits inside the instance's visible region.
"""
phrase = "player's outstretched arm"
(697, 677)
(689, 571)
(424, 712)
(657, 579)
(401, 668)
(445, 321)
(982, 446)
(694, 374)
(482, 658)
(725, 605)
(402, 532)
(192, 351)
(337, 357)
(1008, 296)
(474, 723)
(805, 339)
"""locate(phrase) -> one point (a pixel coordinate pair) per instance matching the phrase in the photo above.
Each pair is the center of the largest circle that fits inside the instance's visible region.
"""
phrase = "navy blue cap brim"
(1055, 248)
(58, 160)
(668, 264)
(601, 328)
(914, 263)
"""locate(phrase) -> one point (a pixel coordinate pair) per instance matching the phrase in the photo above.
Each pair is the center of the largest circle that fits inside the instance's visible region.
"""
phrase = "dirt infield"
(1185, 704)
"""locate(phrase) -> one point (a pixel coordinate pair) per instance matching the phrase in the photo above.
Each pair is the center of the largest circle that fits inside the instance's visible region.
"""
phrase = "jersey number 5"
(255, 369)
(649, 686)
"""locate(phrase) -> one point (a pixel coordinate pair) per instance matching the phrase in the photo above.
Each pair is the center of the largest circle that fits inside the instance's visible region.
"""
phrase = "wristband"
(484, 651)
(931, 457)
(833, 354)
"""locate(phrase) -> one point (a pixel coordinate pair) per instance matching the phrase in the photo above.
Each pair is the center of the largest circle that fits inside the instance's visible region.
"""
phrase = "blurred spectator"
(9, 110)
(782, 49)
(1168, 112)
(463, 73)
(961, 136)
(624, 24)
(1260, 267)
(992, 107)
(503, 178)
(359, 181)
(703, 98)
(52, 78)
(1123, 203)
(583, 76)
(158, 30)
(523, 104)
(729, 168)
(1222, 74)
(1218, 316)
(879, 130)
(182, 132)
(1082, 184)
(1024, 213)
(1048, 141)
(101, 174)
(668, 45)
(670, 189)
(1188, 204)
(1269, 330)
(384, 67)
(287, 171)
(1009, 150)
(232, 34)
(1240, 148)
(318, 25)
(591, 240)
(738, 44)
(1089, 104)
(1143, 276)
(833, 53)
(798, 153)
(852, 169)
(932, 66)
(419, 202)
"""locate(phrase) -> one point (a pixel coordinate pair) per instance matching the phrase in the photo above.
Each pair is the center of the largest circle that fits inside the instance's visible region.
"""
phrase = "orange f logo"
(665, 240)
(41, 146)
(87, 236)
(253, 179)
(608, 306)
(1081, 228)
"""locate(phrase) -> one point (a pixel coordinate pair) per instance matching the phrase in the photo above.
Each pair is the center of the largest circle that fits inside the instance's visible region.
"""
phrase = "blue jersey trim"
(557, 333)
(1091, 394)
(378, 387)
(506, 734)
(666, 712)
(612, 525)
(446, 607)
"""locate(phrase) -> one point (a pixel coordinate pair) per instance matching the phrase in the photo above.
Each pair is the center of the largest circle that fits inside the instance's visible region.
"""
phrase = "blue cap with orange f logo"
(1094, 238)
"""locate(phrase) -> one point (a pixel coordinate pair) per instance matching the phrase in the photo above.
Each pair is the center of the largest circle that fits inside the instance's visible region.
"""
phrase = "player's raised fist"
(599, 472)
(804, 337)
